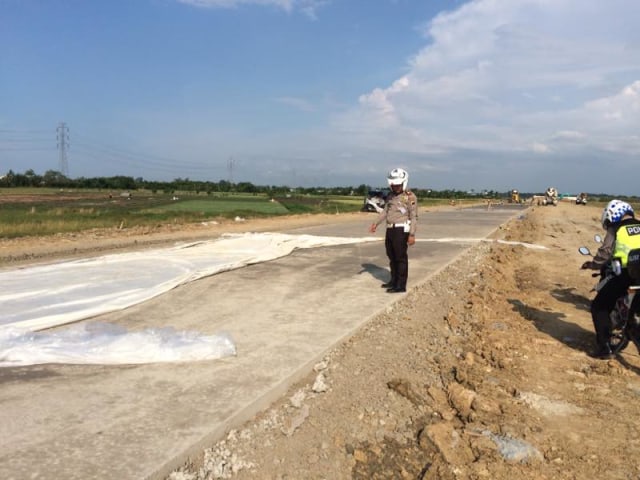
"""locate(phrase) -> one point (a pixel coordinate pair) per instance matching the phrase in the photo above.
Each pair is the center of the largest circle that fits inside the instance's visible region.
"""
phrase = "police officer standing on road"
(401, 216)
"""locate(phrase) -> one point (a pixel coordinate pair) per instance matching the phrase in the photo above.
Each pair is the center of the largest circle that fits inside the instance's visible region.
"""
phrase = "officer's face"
(396, 188)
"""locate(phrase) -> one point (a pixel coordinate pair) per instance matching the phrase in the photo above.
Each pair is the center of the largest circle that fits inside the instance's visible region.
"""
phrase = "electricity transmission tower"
(230, 165)
(62, 135)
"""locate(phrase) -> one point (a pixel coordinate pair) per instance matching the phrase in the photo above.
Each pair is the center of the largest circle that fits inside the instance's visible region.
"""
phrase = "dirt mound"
(482, 372)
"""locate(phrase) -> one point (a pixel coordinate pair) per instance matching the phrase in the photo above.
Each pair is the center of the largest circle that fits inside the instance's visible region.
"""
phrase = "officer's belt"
(397, 225)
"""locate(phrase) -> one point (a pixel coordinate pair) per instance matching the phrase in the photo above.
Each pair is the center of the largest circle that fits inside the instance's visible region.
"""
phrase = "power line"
(6, 130)
(22, 140)
(132, 159)
(90, 152)
(25, 149)
(144, 162)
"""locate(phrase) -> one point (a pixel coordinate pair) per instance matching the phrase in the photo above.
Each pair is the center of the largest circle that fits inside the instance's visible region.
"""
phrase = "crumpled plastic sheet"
(108, 344)
(513, 449)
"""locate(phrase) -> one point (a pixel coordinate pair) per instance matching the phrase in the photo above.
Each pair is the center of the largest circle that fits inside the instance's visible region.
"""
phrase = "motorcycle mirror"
(584, 251)
(597, 238)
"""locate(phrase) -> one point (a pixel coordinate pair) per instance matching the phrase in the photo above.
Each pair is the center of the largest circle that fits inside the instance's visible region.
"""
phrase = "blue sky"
(485, 94)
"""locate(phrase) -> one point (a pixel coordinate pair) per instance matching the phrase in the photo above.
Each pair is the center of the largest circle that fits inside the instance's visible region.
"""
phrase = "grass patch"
(307, 204)
(50, 213)
(220, 206)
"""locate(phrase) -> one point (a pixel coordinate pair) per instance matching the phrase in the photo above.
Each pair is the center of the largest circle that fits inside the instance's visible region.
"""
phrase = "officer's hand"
(372, 228)
(587, 266)
(412, 239)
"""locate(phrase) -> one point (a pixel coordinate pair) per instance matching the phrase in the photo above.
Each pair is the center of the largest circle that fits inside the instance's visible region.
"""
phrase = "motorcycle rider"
(401, 216)
(623, 235)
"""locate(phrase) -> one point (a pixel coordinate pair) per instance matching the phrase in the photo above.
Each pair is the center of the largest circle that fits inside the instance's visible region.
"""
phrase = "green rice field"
(29, 212)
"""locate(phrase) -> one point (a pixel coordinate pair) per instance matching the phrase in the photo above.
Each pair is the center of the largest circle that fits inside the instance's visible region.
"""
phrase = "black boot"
(389, 284)
(396, 290)
(604, 352)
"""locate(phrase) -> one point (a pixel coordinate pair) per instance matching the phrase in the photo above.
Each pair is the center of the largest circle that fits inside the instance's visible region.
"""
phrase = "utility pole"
(62, 135)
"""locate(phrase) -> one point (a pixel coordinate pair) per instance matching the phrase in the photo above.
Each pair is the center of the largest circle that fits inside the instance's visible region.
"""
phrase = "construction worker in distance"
(401, 217)
(623, 235)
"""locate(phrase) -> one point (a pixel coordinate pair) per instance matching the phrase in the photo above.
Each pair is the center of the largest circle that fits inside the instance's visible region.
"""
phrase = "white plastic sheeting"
(39, 297)
(476, 240)
(106, 344)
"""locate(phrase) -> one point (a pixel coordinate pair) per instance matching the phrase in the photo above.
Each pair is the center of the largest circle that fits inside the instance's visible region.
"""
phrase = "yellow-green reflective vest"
(627, 239)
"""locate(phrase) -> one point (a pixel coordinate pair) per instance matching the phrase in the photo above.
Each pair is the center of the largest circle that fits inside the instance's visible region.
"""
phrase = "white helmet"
(614, 211)
(398, 176)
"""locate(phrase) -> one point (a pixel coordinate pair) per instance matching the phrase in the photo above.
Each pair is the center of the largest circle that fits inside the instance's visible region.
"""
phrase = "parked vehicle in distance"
(581, 199)
(375, 200)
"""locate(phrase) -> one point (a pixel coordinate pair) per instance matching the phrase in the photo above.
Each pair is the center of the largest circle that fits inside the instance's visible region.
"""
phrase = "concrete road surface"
(143, 421)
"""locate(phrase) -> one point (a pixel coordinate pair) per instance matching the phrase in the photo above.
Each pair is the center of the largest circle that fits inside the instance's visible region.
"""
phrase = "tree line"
(55, 179)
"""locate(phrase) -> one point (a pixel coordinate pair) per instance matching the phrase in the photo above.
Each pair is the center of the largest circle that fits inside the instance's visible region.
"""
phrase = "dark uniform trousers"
(395, 242)
(604, 302)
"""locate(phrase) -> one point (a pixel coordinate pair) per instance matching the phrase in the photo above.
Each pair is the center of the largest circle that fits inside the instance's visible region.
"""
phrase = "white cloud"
(379, 103)
(501, 89)
(623, 106)
(557, 77)
(297, 103)
(284, 4)
(307, 7)
(540, 147)
(568, 135)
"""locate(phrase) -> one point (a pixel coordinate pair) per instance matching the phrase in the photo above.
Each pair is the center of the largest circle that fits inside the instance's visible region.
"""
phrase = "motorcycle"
(625, 316)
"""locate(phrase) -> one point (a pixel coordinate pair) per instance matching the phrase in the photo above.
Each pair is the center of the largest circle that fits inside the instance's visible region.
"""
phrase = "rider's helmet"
(398, 176)
(614, 211)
